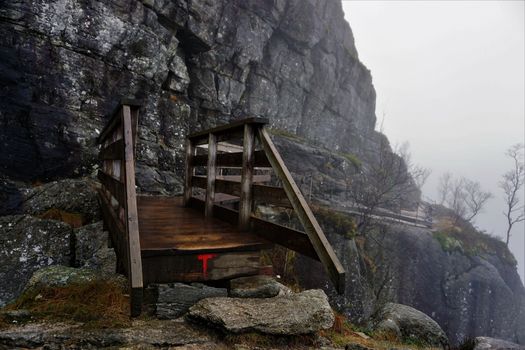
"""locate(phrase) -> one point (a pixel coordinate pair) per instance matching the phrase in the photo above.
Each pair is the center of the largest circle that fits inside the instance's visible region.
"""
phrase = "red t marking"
(205, 258)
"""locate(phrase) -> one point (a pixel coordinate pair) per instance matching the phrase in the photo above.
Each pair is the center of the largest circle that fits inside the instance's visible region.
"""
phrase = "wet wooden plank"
(227, 128)
(200, 267)
(234, 160)
(132, 224)
(166, 227)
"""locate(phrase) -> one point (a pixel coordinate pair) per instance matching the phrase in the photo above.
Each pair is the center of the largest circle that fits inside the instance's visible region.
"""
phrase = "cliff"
(66, 63)
(198, 63)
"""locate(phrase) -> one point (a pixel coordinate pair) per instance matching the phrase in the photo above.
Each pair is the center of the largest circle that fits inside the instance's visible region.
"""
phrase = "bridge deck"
(168, 228)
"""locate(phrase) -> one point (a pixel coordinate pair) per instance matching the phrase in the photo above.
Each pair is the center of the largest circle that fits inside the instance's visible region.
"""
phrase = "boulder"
(170, 301)
(26, 245)
(299, 313)
(256, 287)
(60, 276)
(69, 196)
(487, 343)
(91, 249)
(408, 325)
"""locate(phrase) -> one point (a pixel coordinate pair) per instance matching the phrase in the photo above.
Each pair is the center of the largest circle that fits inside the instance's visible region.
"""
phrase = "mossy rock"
(61, 276)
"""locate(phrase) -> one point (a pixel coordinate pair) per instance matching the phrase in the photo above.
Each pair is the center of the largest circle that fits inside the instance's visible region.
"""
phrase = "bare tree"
(464, 197)
(511, 184)
(385, 182)
(444, 187)
(475, 198)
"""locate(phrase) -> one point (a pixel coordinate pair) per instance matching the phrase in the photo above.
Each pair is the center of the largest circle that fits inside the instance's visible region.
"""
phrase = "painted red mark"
(205, 258)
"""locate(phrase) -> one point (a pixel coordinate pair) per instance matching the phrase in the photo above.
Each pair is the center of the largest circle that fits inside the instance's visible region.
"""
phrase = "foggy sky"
(450, 80)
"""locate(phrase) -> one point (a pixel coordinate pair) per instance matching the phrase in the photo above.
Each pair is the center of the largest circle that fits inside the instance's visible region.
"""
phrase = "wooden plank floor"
(168, 228)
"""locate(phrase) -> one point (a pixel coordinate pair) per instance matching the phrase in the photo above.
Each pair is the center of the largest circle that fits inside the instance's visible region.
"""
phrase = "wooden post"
(190, 152)
(210, 183)
(311, 226)
(132, 224)
(245, 205)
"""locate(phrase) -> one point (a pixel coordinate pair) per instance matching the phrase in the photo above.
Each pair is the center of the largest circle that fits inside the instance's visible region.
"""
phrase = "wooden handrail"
(321, 245)
(247, 191)
(117, 178)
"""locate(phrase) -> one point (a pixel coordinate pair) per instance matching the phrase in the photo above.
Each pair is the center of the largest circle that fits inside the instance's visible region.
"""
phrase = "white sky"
(450, 80)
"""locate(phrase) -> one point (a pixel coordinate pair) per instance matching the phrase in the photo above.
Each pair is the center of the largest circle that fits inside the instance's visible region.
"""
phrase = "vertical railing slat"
(212, 168)
(245, 205)
(132, 227)
(190, 152)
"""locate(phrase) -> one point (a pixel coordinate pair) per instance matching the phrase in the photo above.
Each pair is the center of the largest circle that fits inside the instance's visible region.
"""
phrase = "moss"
(352, 159)
(448, 243)
(96, 304)
(340, 223)
(285, 134)
(474, 243)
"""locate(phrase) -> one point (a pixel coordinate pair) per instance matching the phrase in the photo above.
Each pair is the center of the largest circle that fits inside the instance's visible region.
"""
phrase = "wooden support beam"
(245, 205)
(190, 156)
(114, 186)
(285, 236)
(113, 151)
(132, 224)
(313, 230)
(233, 160)
(261, 193)
(227, 128)
(210, 178)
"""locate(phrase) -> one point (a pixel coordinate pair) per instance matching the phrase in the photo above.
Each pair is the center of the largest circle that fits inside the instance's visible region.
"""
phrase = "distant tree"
(444, 187)
(385, 182)
(464, 197)
(511, 183)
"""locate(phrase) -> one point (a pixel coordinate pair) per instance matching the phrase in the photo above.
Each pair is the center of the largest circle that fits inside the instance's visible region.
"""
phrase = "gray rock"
(487, 343)
(171, 301)
(256, 287)
(408, 325)
(60, 276)
(91, 249)
(300, 313)
(26, 245)
(141, 335)
(76, 196)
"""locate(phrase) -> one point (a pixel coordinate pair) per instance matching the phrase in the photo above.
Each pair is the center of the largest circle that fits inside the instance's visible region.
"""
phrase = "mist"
(450, 80)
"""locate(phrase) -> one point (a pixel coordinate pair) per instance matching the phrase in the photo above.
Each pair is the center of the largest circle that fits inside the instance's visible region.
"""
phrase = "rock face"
(409, 325)
(65, 63)
(486, 343)
(28, 244)
(91, 249)
(467, 293)
(299, 313)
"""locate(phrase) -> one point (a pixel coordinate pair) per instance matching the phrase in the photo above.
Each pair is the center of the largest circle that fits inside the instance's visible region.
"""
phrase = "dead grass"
(73, 219)
(97, 304)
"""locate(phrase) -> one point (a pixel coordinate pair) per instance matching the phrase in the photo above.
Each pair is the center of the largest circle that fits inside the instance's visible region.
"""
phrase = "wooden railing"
(312, 242)
(118, 196)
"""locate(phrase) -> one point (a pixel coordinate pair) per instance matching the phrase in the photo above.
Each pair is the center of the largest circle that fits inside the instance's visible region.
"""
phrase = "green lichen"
(340, 223)
(352, 159)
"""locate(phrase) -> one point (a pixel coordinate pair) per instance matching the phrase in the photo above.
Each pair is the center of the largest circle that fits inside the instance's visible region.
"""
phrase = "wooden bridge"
(212, 232)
